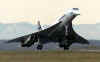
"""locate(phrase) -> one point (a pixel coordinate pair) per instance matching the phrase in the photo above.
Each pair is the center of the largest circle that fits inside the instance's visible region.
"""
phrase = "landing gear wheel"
(39, 47)
(66, 47)
(28, 46)
(60, 45)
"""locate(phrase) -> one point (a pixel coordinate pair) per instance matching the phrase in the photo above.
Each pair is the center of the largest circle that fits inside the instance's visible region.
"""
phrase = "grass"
(49, 56)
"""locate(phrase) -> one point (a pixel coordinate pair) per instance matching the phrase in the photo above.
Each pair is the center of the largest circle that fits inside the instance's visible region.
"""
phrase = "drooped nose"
(76, 11)
(75, 8)
(73, 11)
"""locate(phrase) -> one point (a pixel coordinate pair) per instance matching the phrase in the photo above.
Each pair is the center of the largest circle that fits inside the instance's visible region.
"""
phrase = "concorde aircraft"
(61, 32)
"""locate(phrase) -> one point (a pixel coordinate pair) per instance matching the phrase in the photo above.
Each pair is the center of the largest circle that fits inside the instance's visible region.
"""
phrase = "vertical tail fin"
(39, 25)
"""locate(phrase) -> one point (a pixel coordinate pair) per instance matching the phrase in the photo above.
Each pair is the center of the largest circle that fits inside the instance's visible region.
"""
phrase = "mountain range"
(10, 31)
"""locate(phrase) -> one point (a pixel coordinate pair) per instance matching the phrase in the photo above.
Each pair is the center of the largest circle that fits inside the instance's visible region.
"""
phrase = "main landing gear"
(65, 46)
(39, 47)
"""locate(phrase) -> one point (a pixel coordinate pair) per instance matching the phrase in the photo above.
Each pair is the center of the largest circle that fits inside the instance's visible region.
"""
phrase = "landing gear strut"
(65, 45)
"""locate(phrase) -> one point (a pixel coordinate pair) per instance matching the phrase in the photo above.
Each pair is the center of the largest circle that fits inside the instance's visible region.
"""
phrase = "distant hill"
(94, 45)
(89, 31)
(9, 31)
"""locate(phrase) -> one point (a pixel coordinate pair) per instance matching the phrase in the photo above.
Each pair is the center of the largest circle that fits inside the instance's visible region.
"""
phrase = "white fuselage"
(68, 16)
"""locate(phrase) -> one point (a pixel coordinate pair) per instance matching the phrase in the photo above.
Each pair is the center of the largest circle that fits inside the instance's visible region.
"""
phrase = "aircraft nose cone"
(74, 11)
(75, 8)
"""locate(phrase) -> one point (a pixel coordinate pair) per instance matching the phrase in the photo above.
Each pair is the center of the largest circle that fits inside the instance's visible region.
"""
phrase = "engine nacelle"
(30, 40)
